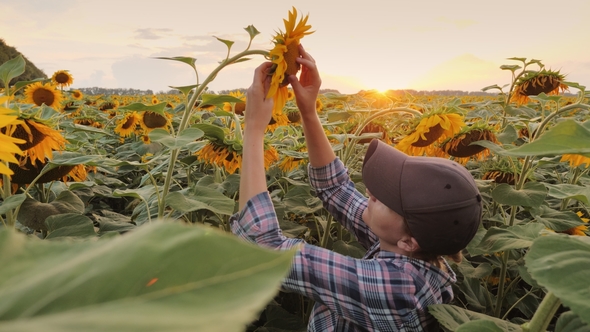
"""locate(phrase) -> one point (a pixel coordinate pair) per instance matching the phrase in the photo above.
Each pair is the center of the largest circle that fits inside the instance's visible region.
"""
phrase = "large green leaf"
(532, 194)
(501, 239)
(480, 326)
(567, 136)
(188, 60)
(33, 213)
(563, 191)
(556, 220)
(451, 317)
(570, 322)
(11, 69)
(200, 198)
(140, 107)
(69, 225)
(11, 203)
(160, 277)
(299, 200)
(560, 264)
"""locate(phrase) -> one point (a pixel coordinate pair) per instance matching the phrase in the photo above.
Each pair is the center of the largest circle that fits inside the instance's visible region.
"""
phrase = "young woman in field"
(418, 210)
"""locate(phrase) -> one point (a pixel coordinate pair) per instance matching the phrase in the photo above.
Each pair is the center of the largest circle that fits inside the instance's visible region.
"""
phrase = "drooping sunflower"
(536, 82)
(277, 120)
(283, 56)
(459, 146)
(40, 140)
(432, 127)
(576, 160)
(39, 94)
(126, 126)
(293, 159)
(151, 120)
(8, 143)
(239, 107)
(62, 78)
(220, 154)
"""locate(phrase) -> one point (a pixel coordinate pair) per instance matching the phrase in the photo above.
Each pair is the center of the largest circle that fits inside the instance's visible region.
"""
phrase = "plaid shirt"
(384, 291)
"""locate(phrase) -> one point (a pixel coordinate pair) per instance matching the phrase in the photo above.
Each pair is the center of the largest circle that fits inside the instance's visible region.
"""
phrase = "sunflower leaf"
(185, 89)
(158, 108)
(184, 137)
(11, 69)
(452, 317)
(69, 225)
(532, 194)
(501, 239)
(12, 203)
(200, 198)
(211, 131)
(188, 60)
(566, 137)
(227, 43)
(66, 285)
(569, 191)
(512, 68)
(570, 322)
(211, 99)
(558, 221)
(252, 31)
(556, 262)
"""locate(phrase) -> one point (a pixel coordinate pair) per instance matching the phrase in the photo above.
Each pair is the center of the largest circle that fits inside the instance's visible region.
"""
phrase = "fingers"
(261, 72)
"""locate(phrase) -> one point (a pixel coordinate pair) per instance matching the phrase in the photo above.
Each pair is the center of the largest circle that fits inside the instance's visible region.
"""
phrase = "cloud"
(151, 34)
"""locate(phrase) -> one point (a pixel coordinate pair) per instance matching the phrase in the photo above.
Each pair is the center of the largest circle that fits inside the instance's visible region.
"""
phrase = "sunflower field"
(114, 208)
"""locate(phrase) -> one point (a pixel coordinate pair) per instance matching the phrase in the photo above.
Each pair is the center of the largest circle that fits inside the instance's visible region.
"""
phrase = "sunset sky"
(360, 45)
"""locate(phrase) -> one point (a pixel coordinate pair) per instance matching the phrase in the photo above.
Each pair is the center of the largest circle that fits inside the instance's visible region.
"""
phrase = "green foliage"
(162, 277)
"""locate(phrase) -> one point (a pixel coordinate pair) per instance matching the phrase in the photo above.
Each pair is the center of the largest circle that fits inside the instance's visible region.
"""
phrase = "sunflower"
(155, 100)
(293, 159)
(277, 120)
(283, 56)
(151, 120)
(109, 105)
(271, 156)
(126, 126)
(239, 107)
(77, 94)
(430, 128)
(39, 94)
(459, 146)
(220, 154)
(8, 143)
(576, 160)
(62, 78)
(319, 106)
(40, 140)
(536, 82)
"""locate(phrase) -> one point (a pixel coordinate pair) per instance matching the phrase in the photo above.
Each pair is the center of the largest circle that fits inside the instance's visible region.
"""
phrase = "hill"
(31, 71)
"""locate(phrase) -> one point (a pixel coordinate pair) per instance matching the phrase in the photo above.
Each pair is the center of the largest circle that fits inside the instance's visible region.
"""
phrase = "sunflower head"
(460, 147)
(39, 94)
(77, 94)
(536, 82)
(62, 78)
(152, 120)
(283, 56)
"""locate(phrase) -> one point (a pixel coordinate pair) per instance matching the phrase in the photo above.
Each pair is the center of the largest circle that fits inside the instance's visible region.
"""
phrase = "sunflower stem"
(544, 314)
(6, 192)
(187, 115)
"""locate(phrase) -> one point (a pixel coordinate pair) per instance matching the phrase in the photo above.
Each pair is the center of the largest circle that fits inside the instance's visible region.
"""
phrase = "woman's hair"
(432, 258)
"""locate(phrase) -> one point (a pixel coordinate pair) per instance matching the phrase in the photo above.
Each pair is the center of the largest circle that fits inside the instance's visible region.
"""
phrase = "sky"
(357, 45)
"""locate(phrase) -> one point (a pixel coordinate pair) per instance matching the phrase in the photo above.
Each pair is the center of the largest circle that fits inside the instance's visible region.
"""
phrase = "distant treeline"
(128, 91)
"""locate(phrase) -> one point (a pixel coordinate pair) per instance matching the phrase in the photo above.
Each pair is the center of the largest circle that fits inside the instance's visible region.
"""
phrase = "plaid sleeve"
(335, 189)
(258, 223)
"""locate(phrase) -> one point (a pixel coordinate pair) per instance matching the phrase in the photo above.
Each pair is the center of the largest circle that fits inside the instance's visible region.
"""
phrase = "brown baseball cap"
(437, 197)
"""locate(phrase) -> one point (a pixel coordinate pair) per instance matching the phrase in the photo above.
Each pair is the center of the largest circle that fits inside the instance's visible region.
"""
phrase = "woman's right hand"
(306, 89)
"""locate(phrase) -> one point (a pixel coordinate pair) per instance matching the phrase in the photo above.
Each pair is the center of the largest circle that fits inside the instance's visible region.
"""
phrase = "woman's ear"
(409, 244)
